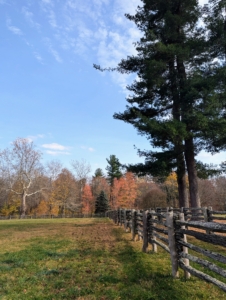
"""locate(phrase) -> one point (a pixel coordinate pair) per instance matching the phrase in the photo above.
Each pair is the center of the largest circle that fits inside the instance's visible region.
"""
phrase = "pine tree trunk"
(178, 148)
(181, 181)
(192, 173)
(181, 169)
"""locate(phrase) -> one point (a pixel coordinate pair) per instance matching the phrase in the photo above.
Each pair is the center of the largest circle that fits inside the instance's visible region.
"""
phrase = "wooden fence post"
(125, 221)
(117, 217)
(120, 217)
(204, 209)
(206, 219)
(138, 233)
(129, 216)
(133, 227)
(187, 275)
(153, 237)
(172, 243)
(209, 213)
(145, 232)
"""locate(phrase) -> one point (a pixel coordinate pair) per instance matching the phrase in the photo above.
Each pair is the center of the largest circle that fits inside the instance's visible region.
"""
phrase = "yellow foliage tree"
(10, 209)
(42, 208)
(65, 192)
(12, 205)
(171, 189)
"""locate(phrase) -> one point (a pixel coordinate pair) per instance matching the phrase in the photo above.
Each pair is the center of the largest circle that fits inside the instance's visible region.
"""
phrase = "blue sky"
(49, 89)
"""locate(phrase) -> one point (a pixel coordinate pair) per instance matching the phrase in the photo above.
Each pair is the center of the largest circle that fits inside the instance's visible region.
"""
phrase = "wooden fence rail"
(170, 228)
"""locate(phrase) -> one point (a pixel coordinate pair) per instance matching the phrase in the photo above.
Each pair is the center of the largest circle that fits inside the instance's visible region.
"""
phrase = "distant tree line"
(29, 187)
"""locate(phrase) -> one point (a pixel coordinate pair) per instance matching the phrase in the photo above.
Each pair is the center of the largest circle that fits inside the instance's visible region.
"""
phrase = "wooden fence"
(170, 228)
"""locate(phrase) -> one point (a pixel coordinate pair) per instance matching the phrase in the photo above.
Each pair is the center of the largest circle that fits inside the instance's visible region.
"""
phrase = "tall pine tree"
(113, 168)
(156, 104)
(175, 101)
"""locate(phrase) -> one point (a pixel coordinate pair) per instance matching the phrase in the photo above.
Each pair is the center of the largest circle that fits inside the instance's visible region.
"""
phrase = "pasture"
(86, 259)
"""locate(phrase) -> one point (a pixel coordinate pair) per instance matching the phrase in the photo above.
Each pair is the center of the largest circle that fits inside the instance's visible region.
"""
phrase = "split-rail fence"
(170, 228)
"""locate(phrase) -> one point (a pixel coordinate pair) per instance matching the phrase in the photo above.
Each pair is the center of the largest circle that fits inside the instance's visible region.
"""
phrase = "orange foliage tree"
(88, 204)
(124, 191)
(115, 188)
(42, 208)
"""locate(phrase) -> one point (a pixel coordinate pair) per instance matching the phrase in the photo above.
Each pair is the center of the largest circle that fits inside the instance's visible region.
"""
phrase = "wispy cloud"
(29, 16)
(52, 19)
(55, 146)
(90, 25)
(85, 29)
(90, 149)
(53, 51)
(55, 153)
(38, 57)
(12, 28)
(35, 137)
(48, 2)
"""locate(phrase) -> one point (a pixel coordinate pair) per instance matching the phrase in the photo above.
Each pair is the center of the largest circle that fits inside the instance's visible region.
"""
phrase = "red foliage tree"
(88, 204)
(124, 191)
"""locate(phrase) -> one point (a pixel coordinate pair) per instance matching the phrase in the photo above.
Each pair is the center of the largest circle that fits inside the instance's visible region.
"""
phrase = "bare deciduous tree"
(81, 170)
(22, 170)
(53, 169)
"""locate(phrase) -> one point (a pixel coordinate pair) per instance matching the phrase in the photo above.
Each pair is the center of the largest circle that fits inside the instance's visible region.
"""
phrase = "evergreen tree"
(215, 20)
(113, 169)
(101, 204)
(173, 101)
(98, 173)
(155, 106)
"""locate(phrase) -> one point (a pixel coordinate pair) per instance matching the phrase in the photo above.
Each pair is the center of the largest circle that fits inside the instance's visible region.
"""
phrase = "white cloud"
(90, 149)
(12, 28)
(55, 153)
(54, 146)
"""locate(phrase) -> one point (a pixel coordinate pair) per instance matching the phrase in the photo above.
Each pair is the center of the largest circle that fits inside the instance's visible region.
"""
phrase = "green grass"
(86, 259)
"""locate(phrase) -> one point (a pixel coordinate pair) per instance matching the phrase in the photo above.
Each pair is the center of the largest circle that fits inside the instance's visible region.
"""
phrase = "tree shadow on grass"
(148, 275)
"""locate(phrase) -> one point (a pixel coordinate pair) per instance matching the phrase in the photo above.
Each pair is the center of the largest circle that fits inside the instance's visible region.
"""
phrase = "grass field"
(86, 259)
